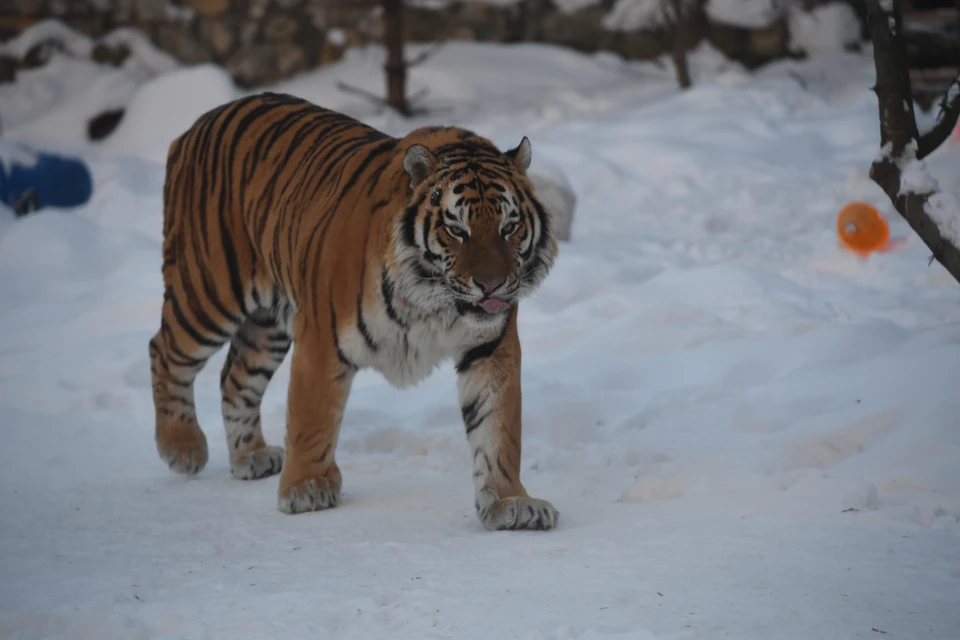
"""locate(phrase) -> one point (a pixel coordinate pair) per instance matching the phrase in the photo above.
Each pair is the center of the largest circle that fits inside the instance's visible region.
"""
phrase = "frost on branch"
(914, 178)
(944, 209)
(916, 183)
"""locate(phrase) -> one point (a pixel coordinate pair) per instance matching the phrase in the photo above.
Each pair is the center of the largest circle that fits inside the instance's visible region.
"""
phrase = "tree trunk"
(900, 141)
(680, 32)
(677, 15)
(396, 66)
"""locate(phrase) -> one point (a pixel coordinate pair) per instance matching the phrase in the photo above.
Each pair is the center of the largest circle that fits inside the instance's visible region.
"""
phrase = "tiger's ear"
(521, 155)
(419, 163)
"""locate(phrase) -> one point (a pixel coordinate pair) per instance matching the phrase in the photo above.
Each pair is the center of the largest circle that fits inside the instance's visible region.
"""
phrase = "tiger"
(289, 224)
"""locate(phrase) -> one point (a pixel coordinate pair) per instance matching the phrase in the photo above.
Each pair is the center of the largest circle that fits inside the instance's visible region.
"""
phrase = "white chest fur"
(405, 355)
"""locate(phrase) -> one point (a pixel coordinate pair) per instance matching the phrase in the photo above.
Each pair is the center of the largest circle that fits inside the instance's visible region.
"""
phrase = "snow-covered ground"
(749, 433)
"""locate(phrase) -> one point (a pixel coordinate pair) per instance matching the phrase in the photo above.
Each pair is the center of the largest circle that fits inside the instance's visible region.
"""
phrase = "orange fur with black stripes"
(286, 223)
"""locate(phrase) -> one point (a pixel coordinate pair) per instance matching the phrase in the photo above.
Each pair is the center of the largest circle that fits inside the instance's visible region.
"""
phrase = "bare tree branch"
(425, 55)
(899, 137)
(382, 102)
(946, 121)
(678, 17)
(396, 66)
(363, 93)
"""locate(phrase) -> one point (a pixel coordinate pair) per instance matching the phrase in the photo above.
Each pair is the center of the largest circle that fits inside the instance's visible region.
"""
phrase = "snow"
(752, 14)
(749, 433)
(828, 27)
(74, 42)
(914, 177)
(52, 104)
(15, 154)
(944, 210)
(337, 37)
(942, 206)
(143, 53)
(152, 120)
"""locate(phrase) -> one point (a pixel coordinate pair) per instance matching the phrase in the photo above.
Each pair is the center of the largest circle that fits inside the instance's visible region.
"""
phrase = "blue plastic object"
(31, 180)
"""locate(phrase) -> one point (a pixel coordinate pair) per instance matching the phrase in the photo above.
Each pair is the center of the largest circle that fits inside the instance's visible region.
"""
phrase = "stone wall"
(261, 41)
(257, 41)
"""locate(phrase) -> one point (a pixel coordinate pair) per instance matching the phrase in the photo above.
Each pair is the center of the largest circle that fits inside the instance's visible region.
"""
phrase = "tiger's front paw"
(515, 512)
(311, 493)
(182, 445)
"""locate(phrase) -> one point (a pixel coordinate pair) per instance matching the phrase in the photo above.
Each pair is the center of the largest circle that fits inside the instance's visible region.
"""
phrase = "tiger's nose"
(489, 286)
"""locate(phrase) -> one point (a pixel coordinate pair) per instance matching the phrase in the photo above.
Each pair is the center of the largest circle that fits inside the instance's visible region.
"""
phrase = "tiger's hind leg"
(179, 350)
(255, 353)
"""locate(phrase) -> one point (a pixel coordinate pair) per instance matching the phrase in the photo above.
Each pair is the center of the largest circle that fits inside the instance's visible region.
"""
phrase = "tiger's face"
(473, 236)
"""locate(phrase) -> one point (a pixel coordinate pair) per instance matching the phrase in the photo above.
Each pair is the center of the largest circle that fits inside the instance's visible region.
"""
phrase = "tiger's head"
(472, 236)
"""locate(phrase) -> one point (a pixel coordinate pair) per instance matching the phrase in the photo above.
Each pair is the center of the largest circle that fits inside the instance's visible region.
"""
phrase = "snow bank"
(152, 119)
(750, 14)
(143, 52)
(833, 26)
(630, 15)
(54, 104)
(74, 42)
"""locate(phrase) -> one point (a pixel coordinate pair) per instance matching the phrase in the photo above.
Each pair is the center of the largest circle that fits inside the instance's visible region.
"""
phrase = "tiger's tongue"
(492, 305)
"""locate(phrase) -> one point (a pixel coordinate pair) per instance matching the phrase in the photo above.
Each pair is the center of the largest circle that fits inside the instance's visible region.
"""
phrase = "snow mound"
(630, 15)
(143, 52)
(74, 42)
(53, 105)
(829, 27)
(152, 120)
(750, 14)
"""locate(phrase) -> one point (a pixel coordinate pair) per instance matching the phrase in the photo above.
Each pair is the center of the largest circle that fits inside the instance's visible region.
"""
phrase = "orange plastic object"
(863, 230)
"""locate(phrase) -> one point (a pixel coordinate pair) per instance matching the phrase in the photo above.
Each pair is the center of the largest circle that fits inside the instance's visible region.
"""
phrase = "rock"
(8, 69)
(151, 10)
(104, 124)
(179, 41)
(581, 30)
(770, 43)
(216, 32)
(291, 59)
(209, 8)
(558, 197)
(281, 28)
(638, 45)
(252, 66)
(424, 25)
(39, 54)
(58, 8)
(113, 55)
(333, 48)
(486, 21)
